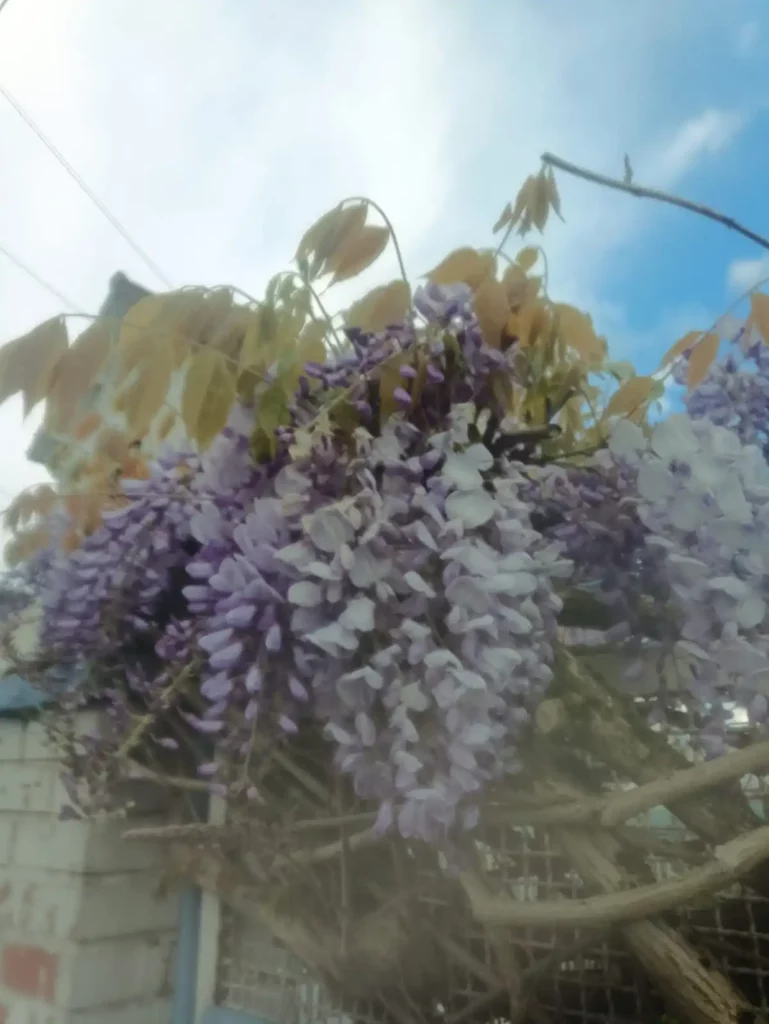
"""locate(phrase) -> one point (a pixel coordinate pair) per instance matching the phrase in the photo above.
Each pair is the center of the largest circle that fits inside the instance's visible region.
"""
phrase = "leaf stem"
(388, 222)
(324, 312)
(652, 193)
(326, 315)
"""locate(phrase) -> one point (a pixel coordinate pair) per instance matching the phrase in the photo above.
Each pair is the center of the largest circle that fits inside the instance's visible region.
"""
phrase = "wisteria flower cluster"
(413, 614)
(735, 391)
(397, 590)
(703, 497)
(391, 589)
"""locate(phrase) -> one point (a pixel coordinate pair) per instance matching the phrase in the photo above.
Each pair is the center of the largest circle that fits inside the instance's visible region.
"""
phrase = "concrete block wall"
(86, 934)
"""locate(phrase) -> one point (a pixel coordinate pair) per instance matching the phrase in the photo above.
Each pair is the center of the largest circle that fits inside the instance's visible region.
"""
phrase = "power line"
(2, 5)
(36, 277)
(82, 184)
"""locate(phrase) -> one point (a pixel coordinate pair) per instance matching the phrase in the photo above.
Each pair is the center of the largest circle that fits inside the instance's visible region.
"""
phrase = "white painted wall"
(85, 935)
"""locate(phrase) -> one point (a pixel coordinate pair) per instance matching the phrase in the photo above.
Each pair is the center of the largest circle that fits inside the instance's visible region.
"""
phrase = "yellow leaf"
(621, 370)
(759, 313)
(11, 368)
(166, 424)
(630, 396)
(681, 346)
(576, 330)
(348, 223)
(553, 197)
(328, 233)
(523, 203)
(316, 231)
(27, 365)
(515, 281)
(540, 202)
(463, 266)
(527, 257)
(492, 310)
(504, 219)
(228, 336)
(381, 308)
(390, 378)
(357, 251)
(312, 341)
(215, 309)
(566, 387)
(528, 324)
(43, 347)
(143, 399)
(208, 396)
(142, 318)
(75, 374)
(25, 544)
(252, 349)
(308, 347)
(531, 290)
(701, 359)
(183, 319)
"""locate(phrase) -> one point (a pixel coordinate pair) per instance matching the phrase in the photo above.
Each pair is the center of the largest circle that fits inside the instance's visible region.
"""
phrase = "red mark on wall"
(30, 971)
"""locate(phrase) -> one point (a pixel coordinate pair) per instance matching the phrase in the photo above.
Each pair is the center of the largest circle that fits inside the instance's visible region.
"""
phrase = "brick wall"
(85, 936)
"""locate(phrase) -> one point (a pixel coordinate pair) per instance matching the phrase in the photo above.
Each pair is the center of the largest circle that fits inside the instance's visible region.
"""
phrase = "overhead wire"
(78, 179)
(37, 278)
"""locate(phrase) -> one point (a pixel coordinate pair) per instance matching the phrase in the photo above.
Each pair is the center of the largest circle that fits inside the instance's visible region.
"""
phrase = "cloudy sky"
(216, 130)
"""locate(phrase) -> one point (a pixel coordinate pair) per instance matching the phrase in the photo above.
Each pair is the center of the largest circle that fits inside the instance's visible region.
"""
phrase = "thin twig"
(652, 193)
(311, 784)
(173, 781)
(318, 824)
(329, 851)
(194, 831)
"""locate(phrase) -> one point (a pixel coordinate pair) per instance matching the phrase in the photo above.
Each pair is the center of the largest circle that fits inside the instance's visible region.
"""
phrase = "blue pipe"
(186, 965)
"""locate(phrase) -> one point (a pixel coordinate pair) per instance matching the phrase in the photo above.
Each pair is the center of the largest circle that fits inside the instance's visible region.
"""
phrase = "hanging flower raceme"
(108, 589)
(704, 498)
(400, 600)
(424, 617)
(735, 392)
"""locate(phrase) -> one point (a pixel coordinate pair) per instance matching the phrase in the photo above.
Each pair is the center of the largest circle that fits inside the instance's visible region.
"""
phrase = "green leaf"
(271, 413)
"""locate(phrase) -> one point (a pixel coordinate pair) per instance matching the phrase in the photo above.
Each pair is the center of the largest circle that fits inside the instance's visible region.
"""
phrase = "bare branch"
(653, 193)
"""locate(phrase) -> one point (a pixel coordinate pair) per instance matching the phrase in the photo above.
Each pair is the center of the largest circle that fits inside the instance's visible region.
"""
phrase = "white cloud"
(216, 133)
(743, 275)
(705, 135)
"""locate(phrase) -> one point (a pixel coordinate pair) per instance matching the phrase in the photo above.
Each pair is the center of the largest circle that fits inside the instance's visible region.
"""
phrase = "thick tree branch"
(652, 193)
(698, 993)
(611, 729)
(731, 862)
(616, 808)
